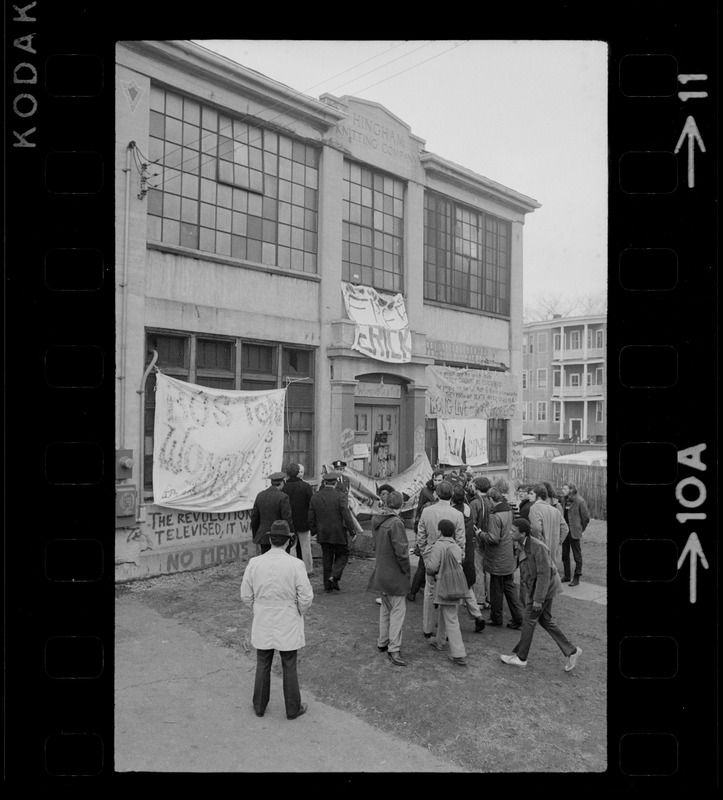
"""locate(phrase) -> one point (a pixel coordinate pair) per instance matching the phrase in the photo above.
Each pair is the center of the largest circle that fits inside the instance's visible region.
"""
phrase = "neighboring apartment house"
(232, 249)
(564, 378)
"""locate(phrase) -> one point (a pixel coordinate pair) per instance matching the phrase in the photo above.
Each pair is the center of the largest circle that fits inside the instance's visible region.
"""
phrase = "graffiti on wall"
(199, 557)
(166, 529)
(517, 463)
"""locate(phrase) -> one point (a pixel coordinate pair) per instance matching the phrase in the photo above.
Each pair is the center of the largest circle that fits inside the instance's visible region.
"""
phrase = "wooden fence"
(591, 482)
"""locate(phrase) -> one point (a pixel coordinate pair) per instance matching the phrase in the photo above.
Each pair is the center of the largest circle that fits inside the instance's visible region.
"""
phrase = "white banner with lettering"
(452, 433)
(470, 393)
(214, 449)
(381, 324)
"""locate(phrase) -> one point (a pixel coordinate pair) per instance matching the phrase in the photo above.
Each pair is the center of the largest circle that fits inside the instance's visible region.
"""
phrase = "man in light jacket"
(546, 522)
(391, 576)
(276, 588)
(427, 535)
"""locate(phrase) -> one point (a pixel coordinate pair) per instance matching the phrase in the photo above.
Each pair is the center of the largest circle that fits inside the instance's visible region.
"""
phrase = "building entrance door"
(376, 440)
(576, 430)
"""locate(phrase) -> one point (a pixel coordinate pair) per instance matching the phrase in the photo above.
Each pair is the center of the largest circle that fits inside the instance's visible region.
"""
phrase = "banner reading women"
(214, 449)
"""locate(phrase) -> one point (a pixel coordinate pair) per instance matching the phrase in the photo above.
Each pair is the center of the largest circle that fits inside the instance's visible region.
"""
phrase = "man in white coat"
(276, 588)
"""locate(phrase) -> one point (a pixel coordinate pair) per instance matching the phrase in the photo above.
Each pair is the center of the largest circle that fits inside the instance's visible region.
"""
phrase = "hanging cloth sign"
(381, 328)
(214, 449)
(366, 306)
(452, 433)
(383, 344)
(470, 393)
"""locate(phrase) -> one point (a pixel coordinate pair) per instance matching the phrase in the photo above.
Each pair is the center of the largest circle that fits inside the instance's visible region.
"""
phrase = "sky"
(531, 115)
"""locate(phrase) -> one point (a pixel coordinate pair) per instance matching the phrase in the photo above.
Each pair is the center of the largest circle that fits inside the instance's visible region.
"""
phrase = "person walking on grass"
(300, 494)
(577, 518)
(276, 588)
(331, 521)
(391, 576)
(538, 575)
(448, 629)
(547, 522)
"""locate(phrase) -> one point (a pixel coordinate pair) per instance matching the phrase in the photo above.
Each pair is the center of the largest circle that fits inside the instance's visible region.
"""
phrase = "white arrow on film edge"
(690, 130)
(693, 547)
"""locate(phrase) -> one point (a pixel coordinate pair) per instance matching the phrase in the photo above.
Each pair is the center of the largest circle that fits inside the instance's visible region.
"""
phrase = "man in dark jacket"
(331, 522)
(481, 505)
(270, 504)
(300, 494)
(499, 562)
(538, 574)
(391, 575)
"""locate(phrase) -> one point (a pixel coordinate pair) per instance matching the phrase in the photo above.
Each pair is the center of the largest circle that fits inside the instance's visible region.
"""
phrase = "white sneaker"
(572, 659)
(514, 661)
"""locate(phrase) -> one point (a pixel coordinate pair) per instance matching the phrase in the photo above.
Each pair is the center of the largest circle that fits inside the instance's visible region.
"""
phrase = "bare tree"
(547, 306)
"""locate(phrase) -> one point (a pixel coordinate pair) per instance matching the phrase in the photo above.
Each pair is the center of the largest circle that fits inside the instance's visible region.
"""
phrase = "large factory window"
(233, 363)
(372, 228)
(466, 256)
(224, 185)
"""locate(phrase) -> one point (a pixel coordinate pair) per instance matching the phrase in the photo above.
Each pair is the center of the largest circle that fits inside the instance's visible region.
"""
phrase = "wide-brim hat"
(277, 476)
(330, 477)
(280, 528)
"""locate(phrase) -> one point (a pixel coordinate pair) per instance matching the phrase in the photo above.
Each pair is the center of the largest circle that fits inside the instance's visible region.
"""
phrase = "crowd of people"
(469, 539)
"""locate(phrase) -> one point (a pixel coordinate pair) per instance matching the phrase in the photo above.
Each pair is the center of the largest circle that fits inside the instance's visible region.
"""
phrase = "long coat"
(539, 579)
(391, 549)
(329, 517)
(270, 504)
(433, 561)
(470, 544)
(577, 516)
(300, 494)
(276, 587)
(499, 547)
(548, 524)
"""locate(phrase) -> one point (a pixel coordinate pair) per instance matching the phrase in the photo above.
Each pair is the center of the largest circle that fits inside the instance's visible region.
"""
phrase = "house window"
(556, 411)
(223, 185)
(524, 345)
(556, 375)
(542, 411)
(574, 340)
(542, 378)
(541, 342)
(589, 338)
(524, 378)
(575, 379)
(588, 378)
(372, 228)
(599, 338)
(599, 412)
(599, 376)
(466, 256)
(212, 361)
(556, 341)
(524, 412)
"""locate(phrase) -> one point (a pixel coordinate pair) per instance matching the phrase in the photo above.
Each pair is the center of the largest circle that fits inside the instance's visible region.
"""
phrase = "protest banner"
(214, 449)
(381, 328)
(470, 393)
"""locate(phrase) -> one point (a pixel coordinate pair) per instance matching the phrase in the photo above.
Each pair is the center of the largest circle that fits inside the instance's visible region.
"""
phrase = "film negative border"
(663, 554)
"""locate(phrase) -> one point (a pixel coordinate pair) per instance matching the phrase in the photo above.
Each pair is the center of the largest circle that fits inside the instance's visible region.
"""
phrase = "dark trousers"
(419, 577)
(544, 617)
(576, 546)
(503, 586)
(262, 684)
(334, 558)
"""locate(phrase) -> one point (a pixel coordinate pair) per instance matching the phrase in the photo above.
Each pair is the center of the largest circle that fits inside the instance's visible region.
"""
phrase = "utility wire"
(299, 94)
(213, 157)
